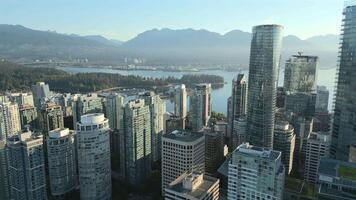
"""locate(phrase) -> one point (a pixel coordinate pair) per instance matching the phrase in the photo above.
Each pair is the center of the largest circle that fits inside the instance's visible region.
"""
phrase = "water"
(325, 77)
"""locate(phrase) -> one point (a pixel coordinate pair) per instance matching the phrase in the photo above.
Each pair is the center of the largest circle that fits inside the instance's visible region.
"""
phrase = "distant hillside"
(163, 47)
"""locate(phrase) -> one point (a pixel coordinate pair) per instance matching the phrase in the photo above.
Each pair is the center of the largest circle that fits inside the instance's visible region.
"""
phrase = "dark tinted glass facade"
(262, 88)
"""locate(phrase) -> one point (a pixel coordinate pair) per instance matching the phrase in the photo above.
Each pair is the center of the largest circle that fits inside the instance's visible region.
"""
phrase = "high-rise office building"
(94, 165)
(173, 122)
(157, 109)
(114, 110)
(300, 73)
(62, 163)
(322, 99)
(284, 141)
(28, 116)
(239, 133)
(214, 151)
(11, 119)
(238, 103)
(262, 88)
(344, 124)
(135, 143)
(182, 151)
(192, 186)
(26, 164)
(180, 101)
(50, 117)
(86, 104)
(4, 174)
(255, 173)
(40, 92)
(200, 106)
(317, 146)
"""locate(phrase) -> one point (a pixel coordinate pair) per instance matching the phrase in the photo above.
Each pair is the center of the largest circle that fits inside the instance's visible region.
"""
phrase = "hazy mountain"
(157, 46)
(18, 42)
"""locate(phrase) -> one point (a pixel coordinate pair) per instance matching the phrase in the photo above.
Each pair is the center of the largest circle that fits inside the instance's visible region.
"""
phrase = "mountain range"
(155, 47)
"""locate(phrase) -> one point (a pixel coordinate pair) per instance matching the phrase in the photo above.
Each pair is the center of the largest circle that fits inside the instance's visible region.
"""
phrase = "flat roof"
(337, 168)
(184, 135)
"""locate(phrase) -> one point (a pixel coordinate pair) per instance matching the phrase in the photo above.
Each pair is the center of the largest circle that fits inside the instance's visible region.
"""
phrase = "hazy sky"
(124, 19)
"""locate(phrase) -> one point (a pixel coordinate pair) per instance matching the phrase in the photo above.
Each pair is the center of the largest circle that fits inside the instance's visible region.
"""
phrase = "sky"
(124, 19)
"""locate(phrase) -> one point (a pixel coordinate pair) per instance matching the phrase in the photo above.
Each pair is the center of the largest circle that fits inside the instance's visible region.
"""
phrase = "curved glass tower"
(344, 126)
(262, 83)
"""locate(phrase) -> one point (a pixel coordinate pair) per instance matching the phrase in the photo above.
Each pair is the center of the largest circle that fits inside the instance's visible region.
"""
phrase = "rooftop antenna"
(300, 53)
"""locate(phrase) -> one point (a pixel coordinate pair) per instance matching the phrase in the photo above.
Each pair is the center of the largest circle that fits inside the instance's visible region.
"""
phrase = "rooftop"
(194, 185)
(336, 168)
(184, 135)
(251, 150)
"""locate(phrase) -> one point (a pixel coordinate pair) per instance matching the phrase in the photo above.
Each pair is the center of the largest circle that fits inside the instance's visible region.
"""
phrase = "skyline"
(123, 20)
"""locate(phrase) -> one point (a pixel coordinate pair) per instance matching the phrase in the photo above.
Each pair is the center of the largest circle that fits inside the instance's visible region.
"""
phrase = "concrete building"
(239, 133)
(4, 175)
(50, 117)
(262, 88)
(22, 99)
(192, 186)
(180, 101)
(10, 119)
(114, 110)
(300, 73)
(238, 102)
(135, 143)
(86, 104)
(26, 164)
(157, 110)
(41, 93)
(173, 122)
(344, 123)
(214, 151)
(182, 151)
(200, 106)
(336, 180)
(322, 99)
(28, 116)
(317, 146)
(284, 141)
(62, 163)
(255, 173)
(94, 165)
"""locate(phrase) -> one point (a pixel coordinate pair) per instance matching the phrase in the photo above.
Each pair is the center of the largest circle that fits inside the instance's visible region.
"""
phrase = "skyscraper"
(135, 143)
(238, 103)
(114, 110)
(180, 101)
(86, 104)
(200, 106)
(344, 125)
(255, 173)
(262, 88)
(62, 163)
(40, 92)
(317, 147)
(94, 167)
(4, 173)
(50, 117)
(182, 151)
(11, 119)
(26, 164)
(157, 109)
(284, 141)
(322, 99)
(214, 151)
(300, 73)
(28, 116)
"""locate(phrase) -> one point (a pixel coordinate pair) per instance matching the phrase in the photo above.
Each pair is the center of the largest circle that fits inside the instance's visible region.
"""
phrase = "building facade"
(214, 151)
(284, 141)
(200, 106)
(26, 164)
(255, 173)
(180, 101)
(94, 165)
(135, 143)
(40, 92)
(50, 117)
(10, 119)
(182, 151)
(114, 105)
(28, 116)
(262, 88)
(62, 163)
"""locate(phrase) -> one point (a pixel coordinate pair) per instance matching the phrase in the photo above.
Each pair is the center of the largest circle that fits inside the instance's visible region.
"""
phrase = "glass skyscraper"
(262, 88)
(344, 126)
